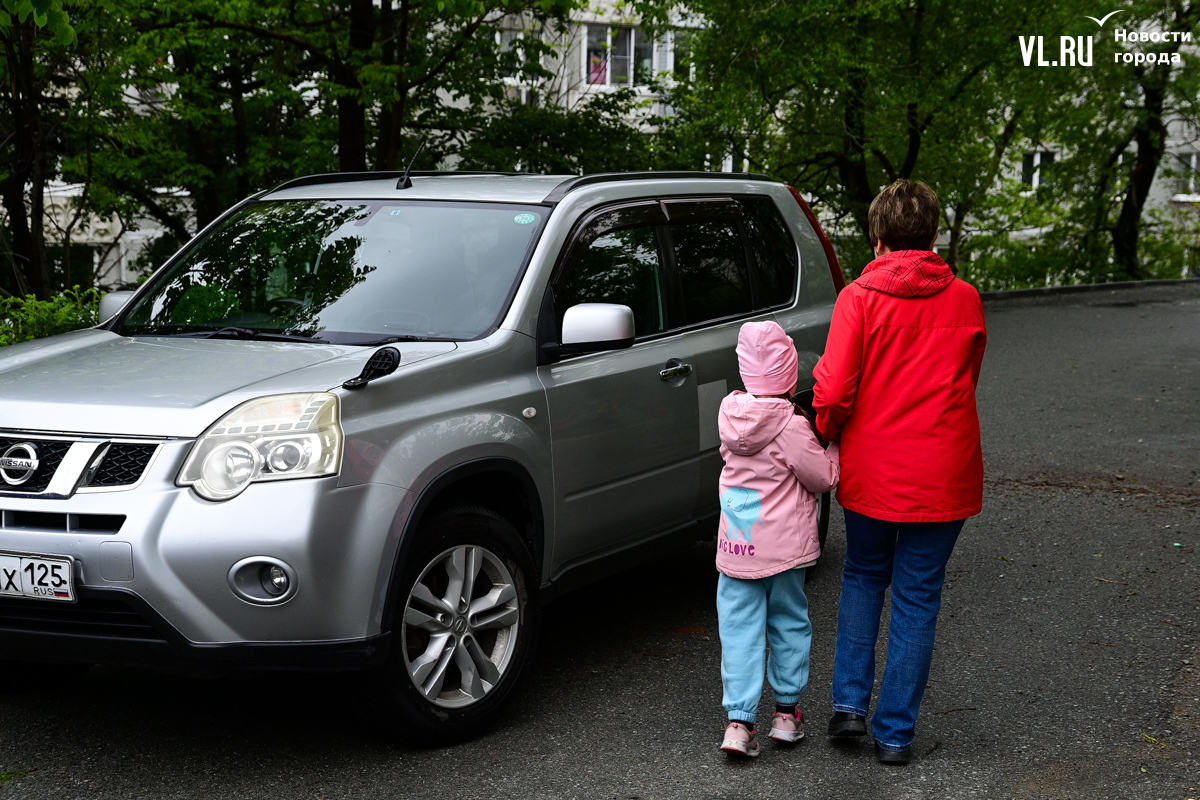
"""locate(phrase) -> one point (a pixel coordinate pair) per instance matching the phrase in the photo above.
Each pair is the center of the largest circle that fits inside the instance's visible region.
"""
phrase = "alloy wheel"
(460, 626)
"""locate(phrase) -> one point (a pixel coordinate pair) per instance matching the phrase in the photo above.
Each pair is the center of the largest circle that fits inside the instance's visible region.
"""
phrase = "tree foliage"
(218, 99)
(174, 110)
(842, 98)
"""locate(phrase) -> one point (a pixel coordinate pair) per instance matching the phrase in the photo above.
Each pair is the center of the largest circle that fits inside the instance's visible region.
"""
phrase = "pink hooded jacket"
(774, 468)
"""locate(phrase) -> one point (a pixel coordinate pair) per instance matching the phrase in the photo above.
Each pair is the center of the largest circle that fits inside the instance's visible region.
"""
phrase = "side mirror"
(593, 327)
(111, 303)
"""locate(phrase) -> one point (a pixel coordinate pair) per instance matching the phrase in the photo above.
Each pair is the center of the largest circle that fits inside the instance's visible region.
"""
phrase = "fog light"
(263, 580)
(275, 581)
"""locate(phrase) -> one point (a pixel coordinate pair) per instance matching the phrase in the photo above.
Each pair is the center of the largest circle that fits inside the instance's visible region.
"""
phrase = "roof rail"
(567, 186)
(345, 177)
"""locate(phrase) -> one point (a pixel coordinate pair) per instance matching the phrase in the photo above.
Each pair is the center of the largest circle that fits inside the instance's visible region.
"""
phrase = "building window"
(618, 56)
(508, 42)
(597, 55)
(1189, 170)
(1032, 173)
(682, 66)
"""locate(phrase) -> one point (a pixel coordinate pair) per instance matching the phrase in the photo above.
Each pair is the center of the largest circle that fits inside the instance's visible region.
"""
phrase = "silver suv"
(362, 422)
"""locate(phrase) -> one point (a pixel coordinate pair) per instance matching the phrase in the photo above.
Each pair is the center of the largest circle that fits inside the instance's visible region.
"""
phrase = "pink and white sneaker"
(740, 740)
(787, 727)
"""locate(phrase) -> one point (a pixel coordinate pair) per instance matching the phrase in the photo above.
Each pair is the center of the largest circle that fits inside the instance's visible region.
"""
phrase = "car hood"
(95, 381)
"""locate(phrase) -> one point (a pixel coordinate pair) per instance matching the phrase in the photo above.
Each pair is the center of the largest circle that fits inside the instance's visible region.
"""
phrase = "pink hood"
(766, 358)
(774, 468)
(747, 424)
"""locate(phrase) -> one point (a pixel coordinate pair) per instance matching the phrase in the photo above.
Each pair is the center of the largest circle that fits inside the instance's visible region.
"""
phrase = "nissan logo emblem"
(18, 463)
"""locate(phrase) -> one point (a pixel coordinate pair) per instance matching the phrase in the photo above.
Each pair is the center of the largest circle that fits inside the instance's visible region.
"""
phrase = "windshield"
(353, 272)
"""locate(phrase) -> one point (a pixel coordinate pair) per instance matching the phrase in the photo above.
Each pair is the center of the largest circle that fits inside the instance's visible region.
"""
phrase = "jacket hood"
(748, 424)
(907, 273)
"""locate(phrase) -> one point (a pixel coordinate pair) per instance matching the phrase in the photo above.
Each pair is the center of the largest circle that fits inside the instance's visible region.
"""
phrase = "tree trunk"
(206, 196)
(241, 168)
(1151, 136)
(852, 166)
(385, 144)
(956, 237)
(28, 166)
(352, 115)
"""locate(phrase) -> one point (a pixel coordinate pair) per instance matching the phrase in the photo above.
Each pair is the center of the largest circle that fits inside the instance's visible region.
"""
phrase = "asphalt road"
(1067, 664)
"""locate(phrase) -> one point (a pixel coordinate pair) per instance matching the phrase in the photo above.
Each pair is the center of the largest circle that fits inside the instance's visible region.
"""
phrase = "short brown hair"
(904, 216)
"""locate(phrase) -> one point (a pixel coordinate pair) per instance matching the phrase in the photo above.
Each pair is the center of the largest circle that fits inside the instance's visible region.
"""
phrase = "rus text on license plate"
(39, 577)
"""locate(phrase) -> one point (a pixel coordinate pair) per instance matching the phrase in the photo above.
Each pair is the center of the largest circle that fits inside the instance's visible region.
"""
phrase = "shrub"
(25, 318)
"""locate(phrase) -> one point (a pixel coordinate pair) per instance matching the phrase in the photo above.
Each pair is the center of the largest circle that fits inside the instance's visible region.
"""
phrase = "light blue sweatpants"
(773, 609)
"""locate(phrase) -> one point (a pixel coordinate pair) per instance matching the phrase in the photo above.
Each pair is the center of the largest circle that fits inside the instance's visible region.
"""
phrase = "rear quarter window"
(773, 249)
(816, 281)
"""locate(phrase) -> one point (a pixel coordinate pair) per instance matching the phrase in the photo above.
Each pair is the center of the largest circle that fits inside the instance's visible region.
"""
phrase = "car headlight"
(268, 439)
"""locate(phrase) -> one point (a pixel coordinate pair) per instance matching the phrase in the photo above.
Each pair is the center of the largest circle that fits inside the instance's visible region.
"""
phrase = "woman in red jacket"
(896, 387)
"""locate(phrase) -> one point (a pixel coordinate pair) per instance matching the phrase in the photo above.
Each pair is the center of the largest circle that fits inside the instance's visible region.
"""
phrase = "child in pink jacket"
(774, 468)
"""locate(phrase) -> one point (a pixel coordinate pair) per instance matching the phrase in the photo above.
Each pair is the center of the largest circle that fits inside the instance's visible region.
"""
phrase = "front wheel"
(466, 631)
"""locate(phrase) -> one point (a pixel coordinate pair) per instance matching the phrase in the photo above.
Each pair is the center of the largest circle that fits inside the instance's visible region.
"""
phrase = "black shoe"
(845, 723)
(896, 758)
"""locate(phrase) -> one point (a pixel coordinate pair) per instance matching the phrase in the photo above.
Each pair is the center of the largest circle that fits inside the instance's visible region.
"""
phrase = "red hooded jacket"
(896, 387)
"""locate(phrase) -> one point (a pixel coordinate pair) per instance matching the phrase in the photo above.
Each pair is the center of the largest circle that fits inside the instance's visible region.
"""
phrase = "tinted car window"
(816, 281)
(618, 266)
(711, 263)
(773, 249)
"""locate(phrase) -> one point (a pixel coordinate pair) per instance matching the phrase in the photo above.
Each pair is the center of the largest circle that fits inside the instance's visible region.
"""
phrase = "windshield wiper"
(406, 337)
(231, 332)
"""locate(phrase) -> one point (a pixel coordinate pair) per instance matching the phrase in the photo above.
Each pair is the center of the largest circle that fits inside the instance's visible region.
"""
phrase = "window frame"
(611, 31)
(1035, 160)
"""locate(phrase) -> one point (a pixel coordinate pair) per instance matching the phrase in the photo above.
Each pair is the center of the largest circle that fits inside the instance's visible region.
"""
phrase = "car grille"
(92, 616)
(123, 464)
(50, 455)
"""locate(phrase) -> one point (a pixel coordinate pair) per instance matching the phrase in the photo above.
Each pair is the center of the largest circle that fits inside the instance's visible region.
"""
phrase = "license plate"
(37, 577)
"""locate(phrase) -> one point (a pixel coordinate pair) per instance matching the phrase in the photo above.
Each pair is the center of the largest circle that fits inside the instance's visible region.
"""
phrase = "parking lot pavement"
(1067, 665)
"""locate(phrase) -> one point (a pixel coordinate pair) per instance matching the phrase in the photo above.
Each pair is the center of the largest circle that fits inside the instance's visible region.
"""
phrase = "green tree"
(600, 135)
(841, 99)
(1114, 137)
(393, 65)
(35, 38)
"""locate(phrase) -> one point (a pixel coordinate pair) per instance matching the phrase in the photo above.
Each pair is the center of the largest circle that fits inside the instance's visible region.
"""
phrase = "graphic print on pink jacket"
(774, 470)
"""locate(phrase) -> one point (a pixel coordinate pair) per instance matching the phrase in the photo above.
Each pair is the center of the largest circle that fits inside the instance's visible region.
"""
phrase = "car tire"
(460, 645)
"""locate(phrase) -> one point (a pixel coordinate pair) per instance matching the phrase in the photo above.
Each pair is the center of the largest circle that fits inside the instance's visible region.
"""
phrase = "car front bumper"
(172, 603)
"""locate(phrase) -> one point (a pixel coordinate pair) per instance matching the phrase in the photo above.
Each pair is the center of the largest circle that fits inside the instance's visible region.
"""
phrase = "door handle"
(675, 369)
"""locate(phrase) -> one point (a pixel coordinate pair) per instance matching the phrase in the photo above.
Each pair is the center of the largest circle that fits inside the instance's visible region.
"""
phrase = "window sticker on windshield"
(524, 219)
(395, 212)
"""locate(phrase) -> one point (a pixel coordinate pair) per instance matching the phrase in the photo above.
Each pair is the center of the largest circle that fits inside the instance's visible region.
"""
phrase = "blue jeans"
(751, 611)
(911, 557)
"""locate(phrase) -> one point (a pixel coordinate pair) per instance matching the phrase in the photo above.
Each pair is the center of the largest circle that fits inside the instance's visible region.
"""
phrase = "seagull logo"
(1104, 19)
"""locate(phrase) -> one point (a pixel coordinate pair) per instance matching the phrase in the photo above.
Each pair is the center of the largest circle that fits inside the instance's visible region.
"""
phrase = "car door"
(624, 423)
(733, 261)
(706, 253)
